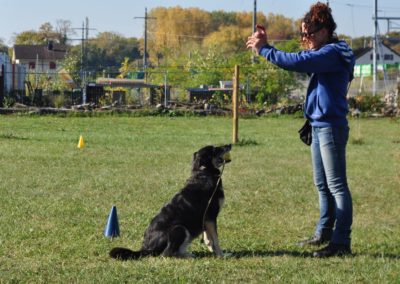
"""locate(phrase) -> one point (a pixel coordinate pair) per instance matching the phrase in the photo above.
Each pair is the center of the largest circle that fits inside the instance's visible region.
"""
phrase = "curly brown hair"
(320, 16)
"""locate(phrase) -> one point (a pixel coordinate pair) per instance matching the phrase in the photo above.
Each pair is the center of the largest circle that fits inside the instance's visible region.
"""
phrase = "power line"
(176, 35)
(366, 6)
(202, 37)
(351, 4)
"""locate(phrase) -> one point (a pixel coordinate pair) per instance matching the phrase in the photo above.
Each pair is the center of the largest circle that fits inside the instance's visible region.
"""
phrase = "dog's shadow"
(252, 254)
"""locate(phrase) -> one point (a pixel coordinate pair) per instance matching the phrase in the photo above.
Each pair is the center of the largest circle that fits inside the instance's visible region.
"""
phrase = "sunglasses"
(310, 34)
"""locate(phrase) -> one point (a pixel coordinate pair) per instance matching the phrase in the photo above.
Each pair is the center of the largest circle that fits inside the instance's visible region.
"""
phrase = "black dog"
(191, 211)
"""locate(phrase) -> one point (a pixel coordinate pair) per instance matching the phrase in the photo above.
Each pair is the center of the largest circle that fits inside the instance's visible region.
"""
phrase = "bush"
(367, 103)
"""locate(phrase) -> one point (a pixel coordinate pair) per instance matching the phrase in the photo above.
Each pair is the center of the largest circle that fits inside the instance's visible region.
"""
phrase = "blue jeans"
(328, 152)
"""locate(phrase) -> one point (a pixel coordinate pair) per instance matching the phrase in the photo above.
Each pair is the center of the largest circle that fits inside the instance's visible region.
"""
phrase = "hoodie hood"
(347, 55)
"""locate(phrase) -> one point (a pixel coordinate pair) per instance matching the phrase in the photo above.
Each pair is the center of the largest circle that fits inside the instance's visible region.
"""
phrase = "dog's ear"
(195, 162)
(202, 158)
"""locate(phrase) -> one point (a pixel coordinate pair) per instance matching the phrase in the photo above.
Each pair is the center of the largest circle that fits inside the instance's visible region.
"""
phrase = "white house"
(39, 59)
(386, 58)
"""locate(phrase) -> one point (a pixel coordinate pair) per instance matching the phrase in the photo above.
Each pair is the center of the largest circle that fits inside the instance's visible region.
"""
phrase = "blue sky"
(354, 17)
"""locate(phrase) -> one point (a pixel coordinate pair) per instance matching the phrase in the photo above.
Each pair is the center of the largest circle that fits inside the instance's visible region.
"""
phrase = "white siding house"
(39, 58)
(386, 59)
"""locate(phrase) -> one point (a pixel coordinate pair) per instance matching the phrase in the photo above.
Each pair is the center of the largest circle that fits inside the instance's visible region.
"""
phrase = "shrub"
(368, 103)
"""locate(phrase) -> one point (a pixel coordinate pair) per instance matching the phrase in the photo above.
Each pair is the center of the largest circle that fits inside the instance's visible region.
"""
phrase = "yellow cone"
(81, 143)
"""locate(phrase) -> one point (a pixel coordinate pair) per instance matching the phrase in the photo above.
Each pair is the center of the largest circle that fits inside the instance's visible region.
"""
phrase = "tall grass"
(55, 198)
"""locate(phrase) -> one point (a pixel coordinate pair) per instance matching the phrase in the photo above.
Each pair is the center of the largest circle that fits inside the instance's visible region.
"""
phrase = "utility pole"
(253, 57)
(145, 38)
(235, 106)
(165, 88)
(87, 28)
(376, 43)
(84, 38)
(254, 15)
(83, 75)
(375, 48)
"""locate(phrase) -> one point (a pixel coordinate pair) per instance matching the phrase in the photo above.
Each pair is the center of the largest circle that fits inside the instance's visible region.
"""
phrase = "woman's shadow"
(299, 254)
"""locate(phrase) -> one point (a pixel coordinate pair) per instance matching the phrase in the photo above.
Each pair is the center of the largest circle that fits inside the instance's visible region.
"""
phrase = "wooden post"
(235, 106)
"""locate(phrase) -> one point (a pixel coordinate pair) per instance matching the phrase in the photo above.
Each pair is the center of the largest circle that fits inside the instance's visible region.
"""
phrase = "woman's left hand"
(257, 39)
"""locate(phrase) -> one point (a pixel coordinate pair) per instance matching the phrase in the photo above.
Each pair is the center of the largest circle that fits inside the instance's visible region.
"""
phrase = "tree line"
(192, 46)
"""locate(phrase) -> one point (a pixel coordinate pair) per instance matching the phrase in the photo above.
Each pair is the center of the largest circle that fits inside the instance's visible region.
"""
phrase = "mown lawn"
(55, 200)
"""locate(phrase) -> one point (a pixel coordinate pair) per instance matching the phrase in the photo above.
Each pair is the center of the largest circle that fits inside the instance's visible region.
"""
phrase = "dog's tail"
(127, 254)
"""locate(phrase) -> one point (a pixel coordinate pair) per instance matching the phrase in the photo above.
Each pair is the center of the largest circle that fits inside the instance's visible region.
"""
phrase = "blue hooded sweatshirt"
(331, 68)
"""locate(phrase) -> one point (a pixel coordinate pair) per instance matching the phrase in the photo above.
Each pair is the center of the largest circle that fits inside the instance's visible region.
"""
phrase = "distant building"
(5, 73)
(206, 93)
(12, 75)
(42, 59)
(386, 59)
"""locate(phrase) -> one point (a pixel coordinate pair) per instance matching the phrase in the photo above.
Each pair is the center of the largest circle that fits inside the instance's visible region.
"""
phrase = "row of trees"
(176, 30)
(189, 46)
(45, 33)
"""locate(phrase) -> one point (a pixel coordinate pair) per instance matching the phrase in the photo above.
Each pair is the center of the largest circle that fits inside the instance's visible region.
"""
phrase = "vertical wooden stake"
(235, 106)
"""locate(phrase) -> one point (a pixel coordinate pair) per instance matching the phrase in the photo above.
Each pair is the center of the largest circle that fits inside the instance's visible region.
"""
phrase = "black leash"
(212, 196)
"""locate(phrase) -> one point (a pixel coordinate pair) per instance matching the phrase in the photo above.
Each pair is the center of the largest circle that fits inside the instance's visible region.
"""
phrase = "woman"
(330, 64)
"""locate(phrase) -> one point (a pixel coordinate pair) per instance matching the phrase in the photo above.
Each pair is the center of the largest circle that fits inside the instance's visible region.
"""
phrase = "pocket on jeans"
(340, 134)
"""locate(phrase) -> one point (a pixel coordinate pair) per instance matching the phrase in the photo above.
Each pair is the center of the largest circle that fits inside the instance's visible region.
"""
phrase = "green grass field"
(55, 200)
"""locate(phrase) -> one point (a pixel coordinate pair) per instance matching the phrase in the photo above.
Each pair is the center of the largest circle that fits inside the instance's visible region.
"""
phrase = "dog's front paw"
(219, 253)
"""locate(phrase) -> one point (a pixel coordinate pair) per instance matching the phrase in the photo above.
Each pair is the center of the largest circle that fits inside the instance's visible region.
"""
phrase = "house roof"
(361, 51)
(32, 52)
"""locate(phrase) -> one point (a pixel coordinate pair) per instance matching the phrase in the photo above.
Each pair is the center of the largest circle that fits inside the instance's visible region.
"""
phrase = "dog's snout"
(228, 147)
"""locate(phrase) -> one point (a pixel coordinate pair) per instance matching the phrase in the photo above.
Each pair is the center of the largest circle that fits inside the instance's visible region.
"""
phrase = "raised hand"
(257, 39)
